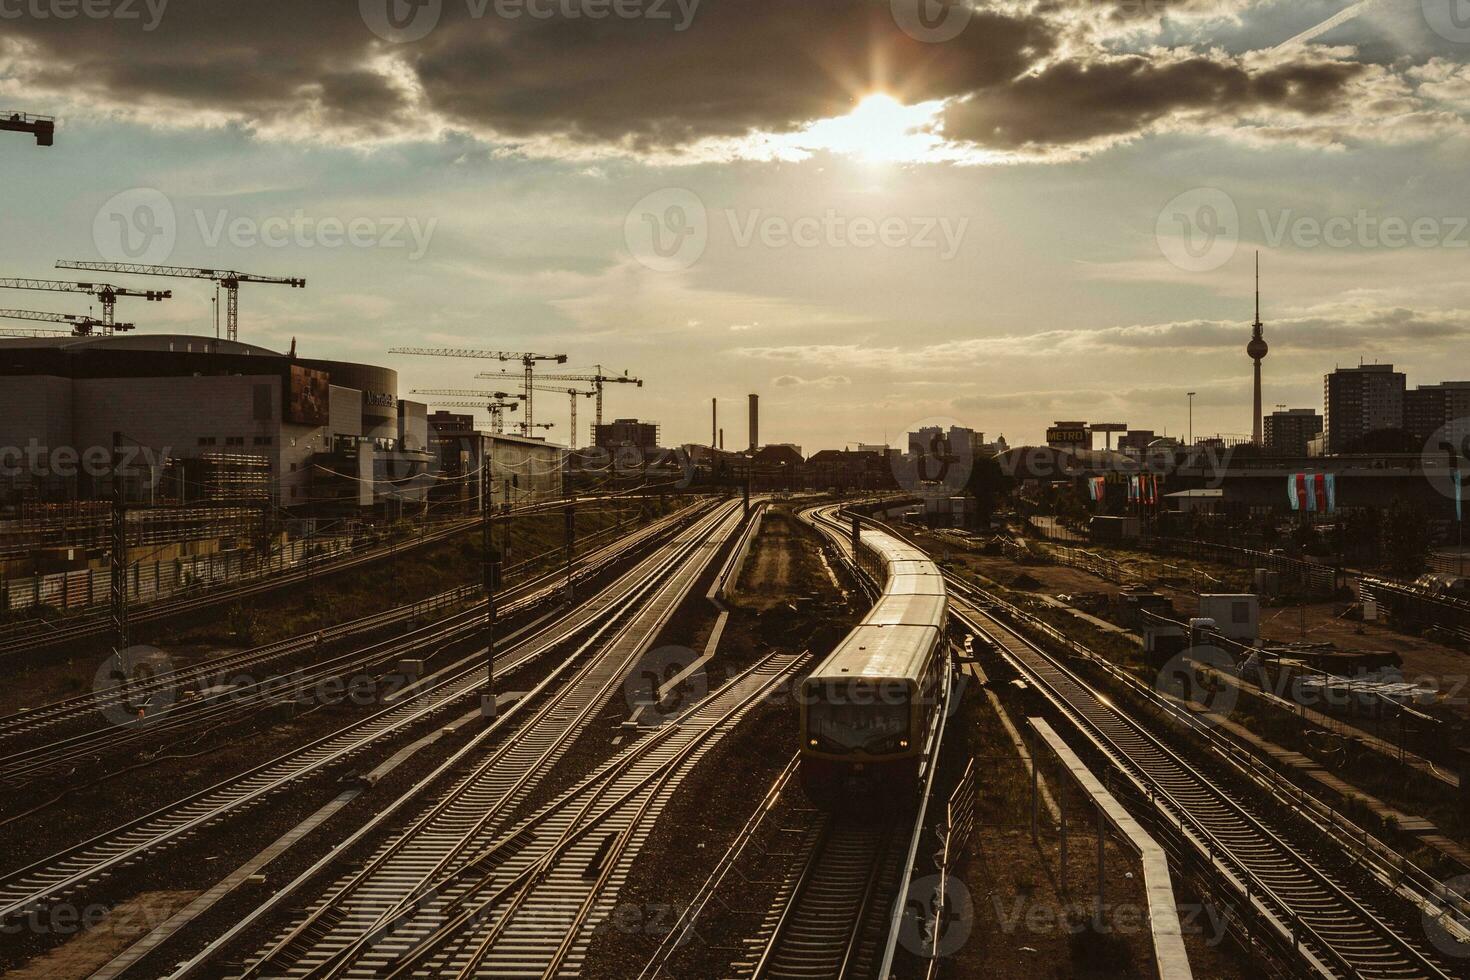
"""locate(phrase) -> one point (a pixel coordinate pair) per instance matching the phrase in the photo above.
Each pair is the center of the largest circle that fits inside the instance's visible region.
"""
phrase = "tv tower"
(1257, 349)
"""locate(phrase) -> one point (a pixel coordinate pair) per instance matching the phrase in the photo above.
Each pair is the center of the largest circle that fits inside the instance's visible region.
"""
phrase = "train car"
(866, 708)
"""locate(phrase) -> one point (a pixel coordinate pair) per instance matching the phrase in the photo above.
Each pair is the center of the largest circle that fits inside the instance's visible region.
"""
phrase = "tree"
(1405, 538)
(988, 482)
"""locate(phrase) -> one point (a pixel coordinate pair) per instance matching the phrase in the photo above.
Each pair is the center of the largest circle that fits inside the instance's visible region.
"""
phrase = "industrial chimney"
(755, 422)
(714, 421)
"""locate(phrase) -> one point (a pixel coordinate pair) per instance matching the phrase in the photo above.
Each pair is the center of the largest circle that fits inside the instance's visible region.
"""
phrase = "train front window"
(843, 726)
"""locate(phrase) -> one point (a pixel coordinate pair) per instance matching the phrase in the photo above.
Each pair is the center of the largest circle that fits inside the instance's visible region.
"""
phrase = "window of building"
(234, 440)
(263, 440)
(206, 440)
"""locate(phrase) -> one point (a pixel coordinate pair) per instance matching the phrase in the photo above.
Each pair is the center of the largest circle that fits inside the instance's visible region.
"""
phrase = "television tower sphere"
(1258, 347)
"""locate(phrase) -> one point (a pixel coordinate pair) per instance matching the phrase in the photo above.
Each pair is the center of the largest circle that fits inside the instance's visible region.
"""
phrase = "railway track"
(831, 919)
(69, 871)
(526, 898)
(17, 640)
(1316, 913)
(227, 692)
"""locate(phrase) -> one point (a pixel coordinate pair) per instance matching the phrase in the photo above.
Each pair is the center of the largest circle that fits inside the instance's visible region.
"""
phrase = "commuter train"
(867, 708)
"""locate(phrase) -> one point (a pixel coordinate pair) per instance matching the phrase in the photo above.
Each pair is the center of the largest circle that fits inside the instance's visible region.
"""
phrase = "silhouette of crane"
(81, 326)
(223, 279)
(597, 379)
(42, 127)
(106, 294)
(528, 364)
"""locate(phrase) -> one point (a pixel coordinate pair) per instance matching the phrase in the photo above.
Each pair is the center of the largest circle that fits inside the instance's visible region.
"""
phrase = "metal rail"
(1334, 932)
(76, 867)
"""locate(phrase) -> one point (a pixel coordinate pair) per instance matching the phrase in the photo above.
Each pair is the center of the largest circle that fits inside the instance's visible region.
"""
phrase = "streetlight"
(1191, 417)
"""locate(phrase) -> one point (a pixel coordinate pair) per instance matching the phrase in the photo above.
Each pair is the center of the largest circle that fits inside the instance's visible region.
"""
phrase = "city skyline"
(938, 230)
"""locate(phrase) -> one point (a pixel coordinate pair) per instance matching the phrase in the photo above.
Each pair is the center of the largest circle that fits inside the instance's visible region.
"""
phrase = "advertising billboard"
(308, 396)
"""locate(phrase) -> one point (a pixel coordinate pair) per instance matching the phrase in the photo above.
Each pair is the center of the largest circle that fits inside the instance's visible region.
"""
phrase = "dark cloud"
(738, 66)
(1073, 101)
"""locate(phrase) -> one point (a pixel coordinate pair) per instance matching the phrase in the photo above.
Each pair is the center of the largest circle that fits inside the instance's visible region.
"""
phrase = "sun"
(879, 129)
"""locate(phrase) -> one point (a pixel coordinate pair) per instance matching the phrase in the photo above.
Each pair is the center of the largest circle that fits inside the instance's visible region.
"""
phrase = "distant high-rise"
(1360, 400)
(1428, 409)
(755, 422)
(1289, 432)
(1257, 349)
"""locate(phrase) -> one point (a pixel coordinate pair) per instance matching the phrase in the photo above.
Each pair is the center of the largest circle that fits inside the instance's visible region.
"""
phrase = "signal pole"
(490, 559)
(571, 529)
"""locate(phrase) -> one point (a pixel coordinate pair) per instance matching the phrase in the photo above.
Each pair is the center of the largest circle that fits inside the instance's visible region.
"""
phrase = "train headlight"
(813, 743)
(903, 743)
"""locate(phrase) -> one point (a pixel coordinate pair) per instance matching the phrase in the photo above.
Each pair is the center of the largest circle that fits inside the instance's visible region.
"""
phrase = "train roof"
(879, 653)
(908, 610)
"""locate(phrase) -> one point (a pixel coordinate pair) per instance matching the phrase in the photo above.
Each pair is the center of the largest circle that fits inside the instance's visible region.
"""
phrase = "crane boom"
(42, 127)
(528, 364)
(106, 293)
(597, 379)
(81, 326)
(225, 279)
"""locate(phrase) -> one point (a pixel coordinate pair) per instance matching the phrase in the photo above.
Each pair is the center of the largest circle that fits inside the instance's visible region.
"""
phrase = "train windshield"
(840, 725)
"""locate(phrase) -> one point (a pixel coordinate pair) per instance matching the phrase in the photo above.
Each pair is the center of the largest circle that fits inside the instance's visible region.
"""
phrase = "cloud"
(827, 381)
(1025, 77)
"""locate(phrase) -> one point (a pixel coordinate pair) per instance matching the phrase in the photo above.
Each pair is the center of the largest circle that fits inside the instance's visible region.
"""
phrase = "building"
(1069, 435)
(1438, 413)
(210, 412)
(522, 470)
(623, 433)
(1358, 401)
(1135, 442)
(846, 470)
(1290, 432)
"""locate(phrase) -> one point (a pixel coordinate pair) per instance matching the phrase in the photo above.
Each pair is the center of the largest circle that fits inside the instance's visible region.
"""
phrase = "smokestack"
(714, 421)
(722, 440)
(755, 422)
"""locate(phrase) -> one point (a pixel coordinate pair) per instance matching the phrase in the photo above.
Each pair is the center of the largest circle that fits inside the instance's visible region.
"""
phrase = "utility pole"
(119, 564)
(571, 531)
(490, 559)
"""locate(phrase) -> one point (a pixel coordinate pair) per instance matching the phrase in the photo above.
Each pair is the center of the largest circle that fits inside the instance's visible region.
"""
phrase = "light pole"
(1191, 417)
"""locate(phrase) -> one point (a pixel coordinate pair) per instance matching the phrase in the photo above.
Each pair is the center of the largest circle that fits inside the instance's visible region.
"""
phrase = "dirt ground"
(115, 930)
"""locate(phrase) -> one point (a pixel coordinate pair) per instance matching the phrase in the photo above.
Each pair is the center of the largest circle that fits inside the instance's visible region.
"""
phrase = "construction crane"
(528, 363)
(106, 294)
(42, 127)
(573, 393)
(228, 281)
(81, 326)
(597, 379)
(496, 407)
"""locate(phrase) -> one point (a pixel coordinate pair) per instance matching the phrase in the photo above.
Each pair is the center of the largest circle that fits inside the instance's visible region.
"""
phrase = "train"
(866, 709)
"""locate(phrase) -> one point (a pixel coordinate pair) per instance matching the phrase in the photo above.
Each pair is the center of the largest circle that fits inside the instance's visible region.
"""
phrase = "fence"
(147, 582)
(1410, 607)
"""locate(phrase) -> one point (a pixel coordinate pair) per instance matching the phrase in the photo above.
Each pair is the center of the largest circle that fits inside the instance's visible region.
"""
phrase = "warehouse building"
(192, 418)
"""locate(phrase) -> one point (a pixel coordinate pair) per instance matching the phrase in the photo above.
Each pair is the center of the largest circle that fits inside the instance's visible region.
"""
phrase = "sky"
(877, 214)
